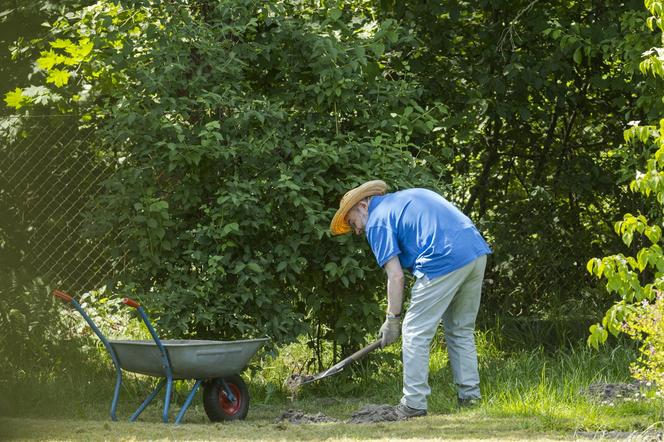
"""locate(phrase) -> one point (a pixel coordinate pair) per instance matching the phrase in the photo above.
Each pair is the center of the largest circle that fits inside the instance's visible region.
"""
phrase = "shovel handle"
(364, 351)
(357, 355)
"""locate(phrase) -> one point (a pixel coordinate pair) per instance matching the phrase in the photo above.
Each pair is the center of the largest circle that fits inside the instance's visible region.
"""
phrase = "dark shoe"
(405, 412)
(468, 402)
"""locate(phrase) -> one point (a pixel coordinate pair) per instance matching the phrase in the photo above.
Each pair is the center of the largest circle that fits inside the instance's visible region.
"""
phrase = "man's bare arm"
(395, 285)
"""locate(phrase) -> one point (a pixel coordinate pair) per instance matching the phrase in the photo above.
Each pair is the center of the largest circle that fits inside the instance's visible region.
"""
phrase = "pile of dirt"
(299, 417)
(374, 413)
(615, 392)
(366, 415)
(294, 382)
(645, 436)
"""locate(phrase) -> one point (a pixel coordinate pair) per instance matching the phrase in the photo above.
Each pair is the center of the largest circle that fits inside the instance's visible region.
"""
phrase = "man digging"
(421, 231)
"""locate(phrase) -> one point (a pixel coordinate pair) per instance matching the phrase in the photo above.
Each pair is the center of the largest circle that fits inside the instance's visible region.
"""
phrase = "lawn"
(260, 426)
(528, 395)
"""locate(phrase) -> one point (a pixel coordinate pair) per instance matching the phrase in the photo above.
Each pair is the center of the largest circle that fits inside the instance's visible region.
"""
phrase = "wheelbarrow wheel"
(218, 406)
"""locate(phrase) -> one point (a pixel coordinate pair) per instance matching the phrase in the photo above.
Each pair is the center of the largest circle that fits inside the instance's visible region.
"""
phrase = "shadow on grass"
(260, 426)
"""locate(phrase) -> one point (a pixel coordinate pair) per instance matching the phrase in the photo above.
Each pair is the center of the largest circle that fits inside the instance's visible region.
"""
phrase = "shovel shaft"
(360, 353)
(350, 359)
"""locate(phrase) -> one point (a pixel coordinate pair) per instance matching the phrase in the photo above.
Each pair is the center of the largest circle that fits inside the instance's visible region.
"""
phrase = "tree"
(538, 94)
(638, 280)
(236, 128)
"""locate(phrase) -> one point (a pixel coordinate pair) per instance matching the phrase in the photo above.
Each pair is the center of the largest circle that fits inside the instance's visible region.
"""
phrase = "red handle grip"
(131, 303)
(62, 295)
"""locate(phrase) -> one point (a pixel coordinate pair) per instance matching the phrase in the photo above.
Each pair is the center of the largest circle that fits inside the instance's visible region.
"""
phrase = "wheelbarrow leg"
(164, 354)
(167, 399)
(187, 403)
(229, 393)
(147, 401)
(116, 393)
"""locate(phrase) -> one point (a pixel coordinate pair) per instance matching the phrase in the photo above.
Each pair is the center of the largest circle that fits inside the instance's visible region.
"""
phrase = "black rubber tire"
(215, 401)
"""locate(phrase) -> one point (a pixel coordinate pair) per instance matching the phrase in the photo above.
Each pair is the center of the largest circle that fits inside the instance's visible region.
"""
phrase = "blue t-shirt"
(430, 235)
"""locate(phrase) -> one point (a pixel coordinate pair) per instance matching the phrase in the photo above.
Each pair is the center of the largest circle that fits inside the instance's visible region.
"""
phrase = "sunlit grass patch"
(530, 392)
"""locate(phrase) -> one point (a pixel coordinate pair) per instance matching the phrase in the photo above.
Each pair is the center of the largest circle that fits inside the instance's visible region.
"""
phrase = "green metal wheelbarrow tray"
(214, 364)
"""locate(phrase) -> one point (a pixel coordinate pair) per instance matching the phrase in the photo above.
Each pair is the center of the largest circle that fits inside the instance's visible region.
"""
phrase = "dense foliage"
(238, 131)
(638, 279)
(539, 94)
(236, 127)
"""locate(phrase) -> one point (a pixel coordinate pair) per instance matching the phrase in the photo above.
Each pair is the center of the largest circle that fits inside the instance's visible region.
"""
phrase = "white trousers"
(454, 298)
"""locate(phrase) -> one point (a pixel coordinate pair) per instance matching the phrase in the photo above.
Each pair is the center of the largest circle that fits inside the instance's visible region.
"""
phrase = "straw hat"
(339, 225)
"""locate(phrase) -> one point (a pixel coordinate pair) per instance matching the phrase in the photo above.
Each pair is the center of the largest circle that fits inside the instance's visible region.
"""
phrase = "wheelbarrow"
(214, 364)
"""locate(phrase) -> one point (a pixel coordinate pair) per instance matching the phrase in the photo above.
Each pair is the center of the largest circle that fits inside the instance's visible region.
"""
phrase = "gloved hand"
(389, 331)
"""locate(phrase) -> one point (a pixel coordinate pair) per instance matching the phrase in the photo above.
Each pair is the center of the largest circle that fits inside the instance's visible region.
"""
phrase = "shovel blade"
(296, 380)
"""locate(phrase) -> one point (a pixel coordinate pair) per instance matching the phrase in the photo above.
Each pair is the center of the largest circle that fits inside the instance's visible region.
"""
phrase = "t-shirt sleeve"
(384, 244)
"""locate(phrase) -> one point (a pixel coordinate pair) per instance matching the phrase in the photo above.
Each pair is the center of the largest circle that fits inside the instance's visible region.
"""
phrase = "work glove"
(389, 331)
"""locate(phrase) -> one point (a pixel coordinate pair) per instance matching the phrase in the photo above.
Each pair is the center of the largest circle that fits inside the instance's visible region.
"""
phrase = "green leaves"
(598, 335)
(49, 59)
(654, 233)
(253, 266)
(74, 54)
(637, 132)
(61, 44)
(635, 279)
(87, 44)
(251, 122)
(16, 98)
(58, 77)
(622, 274)
(335, 14)
(637, 224)
(234, 135)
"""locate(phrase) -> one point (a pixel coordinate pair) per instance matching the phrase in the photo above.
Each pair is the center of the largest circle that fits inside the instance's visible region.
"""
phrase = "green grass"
(469, 426)
(531, 394)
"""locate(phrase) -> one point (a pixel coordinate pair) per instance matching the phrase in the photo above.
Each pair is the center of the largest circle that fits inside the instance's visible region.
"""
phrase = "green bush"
(36, 344)
(639, 279)
(644, 324)
(236, 128)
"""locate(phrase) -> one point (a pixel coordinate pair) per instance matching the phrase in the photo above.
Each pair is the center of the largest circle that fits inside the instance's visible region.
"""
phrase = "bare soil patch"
(645, 436)
(374, 413)
(604, 392)
(300, 417)
(366, 415)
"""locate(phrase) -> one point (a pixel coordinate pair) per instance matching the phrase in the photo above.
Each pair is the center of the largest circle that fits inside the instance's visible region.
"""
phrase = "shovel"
(296, 380)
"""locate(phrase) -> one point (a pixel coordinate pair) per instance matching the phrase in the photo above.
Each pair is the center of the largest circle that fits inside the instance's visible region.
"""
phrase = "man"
(421, 231)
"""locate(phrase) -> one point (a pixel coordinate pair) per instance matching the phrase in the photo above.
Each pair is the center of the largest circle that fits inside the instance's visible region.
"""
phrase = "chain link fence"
(51, 177)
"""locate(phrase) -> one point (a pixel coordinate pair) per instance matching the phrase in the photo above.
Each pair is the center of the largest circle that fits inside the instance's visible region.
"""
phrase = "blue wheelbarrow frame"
(172, 360)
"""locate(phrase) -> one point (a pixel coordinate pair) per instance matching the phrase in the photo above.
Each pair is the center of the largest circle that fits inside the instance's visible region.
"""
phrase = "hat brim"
(339, 225)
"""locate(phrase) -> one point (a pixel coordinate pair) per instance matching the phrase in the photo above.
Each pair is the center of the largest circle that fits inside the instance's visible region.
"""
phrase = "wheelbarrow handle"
(131, 303)
(166, 363)
(62, 295)
(65, 297)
